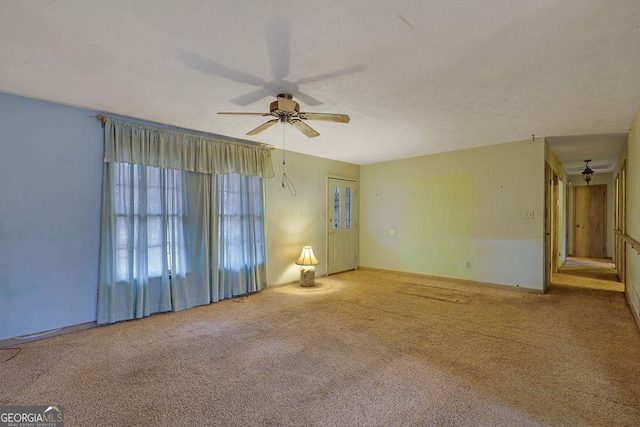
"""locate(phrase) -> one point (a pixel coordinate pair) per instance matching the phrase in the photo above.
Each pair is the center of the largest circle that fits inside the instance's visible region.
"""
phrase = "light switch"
(527, 215)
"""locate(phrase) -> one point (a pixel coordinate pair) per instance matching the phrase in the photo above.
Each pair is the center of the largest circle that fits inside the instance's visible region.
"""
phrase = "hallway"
(591, 273)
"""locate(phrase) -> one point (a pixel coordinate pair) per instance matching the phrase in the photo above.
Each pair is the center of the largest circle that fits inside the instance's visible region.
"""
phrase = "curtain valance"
(138, 144)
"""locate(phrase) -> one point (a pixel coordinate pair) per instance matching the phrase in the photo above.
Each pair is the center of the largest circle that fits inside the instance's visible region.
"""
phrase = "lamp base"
(307, 276)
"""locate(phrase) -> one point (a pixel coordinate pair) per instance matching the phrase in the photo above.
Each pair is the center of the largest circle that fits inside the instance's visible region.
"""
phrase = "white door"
(342, 211)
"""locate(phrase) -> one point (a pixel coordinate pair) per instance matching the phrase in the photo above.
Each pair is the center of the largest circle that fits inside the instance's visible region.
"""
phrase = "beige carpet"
(361, 349)
(590, 262)
(593, 273)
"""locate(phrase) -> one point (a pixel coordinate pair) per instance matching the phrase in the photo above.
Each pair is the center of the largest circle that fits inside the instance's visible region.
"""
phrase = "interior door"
(342, 236)
(590, 204)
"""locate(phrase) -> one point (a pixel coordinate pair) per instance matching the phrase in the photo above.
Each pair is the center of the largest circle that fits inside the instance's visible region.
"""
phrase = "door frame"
(551, 223)
(554, 223)
(616, 223)
(548, 228)
(622, 224)
(355, 219)
(604, 218)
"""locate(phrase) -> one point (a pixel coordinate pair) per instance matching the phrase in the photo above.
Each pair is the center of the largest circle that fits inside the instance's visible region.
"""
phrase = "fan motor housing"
(284, 105)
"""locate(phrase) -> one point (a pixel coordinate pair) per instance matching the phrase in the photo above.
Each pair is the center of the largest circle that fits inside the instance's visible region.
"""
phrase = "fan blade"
(245, 114)
(263, 126)
(211, 67)
(304, 128)
(278, 42)
(251, 97)
(332, 74)
(328, 117)
(307, 99)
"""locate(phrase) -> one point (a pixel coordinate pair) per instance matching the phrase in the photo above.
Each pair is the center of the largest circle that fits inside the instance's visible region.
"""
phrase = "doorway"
(551, 213)
(548, 191)
(342, 236)
(621, 221)
(588, 265)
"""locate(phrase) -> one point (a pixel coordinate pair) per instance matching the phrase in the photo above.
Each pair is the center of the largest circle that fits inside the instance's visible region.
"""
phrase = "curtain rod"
(103, 120)
(100, 117)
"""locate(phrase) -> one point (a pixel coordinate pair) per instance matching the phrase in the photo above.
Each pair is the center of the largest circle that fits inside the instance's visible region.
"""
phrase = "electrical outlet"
(468, 264)
(527, 215)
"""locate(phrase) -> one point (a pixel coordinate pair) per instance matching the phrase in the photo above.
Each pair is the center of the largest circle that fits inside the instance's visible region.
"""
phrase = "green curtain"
(137, 144)
(173, 239)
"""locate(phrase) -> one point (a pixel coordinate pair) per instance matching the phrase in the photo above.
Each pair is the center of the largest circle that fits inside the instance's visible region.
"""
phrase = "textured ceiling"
(601, 150)
(416, 77)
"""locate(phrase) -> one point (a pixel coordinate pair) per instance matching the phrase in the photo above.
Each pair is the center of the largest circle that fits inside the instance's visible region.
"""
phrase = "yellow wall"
(295, 221)
(632, 287)
(552, 160)
(434, 214)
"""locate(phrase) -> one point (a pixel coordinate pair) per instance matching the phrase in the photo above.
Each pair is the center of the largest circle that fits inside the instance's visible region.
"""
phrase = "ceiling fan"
(286, 110)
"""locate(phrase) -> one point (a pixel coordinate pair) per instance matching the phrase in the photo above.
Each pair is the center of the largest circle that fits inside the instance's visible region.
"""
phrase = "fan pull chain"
(286, 182)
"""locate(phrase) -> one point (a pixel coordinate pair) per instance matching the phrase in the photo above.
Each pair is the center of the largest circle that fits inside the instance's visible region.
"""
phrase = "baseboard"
(10, 342)
(454, 280)
(633, 312)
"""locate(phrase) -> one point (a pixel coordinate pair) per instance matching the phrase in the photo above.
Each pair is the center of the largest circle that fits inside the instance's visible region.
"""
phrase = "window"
(241, 218)
(347, 207)
(147, 206)
(336, 207)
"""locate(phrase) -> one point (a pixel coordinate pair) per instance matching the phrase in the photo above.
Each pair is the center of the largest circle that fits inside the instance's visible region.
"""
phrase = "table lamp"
(307, 263)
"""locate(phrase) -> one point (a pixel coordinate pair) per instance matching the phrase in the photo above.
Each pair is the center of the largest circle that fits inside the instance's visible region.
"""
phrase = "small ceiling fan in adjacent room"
(286, 110)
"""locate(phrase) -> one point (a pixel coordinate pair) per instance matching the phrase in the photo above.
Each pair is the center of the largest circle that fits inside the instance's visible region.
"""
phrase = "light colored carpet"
(590, 262)
(593, 273)
(584, 281)
(362, 348)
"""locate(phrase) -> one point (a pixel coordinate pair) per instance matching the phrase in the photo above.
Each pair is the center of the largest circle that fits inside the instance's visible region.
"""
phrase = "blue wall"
(50, 192)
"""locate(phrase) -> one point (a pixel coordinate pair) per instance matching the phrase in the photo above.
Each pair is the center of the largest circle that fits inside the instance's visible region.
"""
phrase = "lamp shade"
(307, 257)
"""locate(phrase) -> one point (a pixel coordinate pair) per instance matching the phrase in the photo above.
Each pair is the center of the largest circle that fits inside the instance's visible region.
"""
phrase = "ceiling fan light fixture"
(284, 104)
(286, 110)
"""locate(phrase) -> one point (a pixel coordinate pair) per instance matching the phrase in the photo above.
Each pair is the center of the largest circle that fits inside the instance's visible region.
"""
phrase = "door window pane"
(336, 207)
(347, 207)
